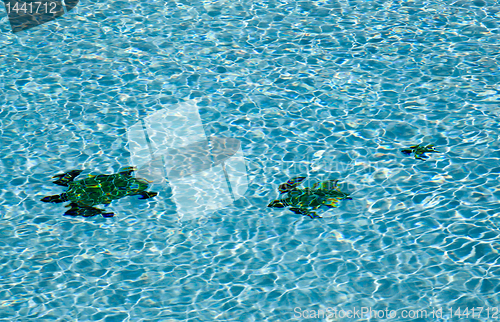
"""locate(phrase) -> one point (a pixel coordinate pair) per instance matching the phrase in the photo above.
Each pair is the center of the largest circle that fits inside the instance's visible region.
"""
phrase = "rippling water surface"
(327, 89)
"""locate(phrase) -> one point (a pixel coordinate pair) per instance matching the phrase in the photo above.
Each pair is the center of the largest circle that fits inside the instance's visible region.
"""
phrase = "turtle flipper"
(332, 202)
(290, 184)
(64, 178)
(77, 210)
(56, 198)
(147, 194)
(305, 212)
(421, 156)
(326, 185)
(128, 170)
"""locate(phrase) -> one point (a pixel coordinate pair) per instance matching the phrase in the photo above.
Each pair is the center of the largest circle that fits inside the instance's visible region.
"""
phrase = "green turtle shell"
(102, 189)
(305, 198)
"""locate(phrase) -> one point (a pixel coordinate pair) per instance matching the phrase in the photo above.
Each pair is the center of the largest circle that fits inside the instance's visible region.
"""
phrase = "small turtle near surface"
(99, 189)
(305, 200)
(419, 150)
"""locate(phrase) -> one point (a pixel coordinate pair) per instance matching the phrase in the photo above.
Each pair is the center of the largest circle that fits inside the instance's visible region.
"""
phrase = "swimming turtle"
(419, 151)
(304, 201)
(96, 190)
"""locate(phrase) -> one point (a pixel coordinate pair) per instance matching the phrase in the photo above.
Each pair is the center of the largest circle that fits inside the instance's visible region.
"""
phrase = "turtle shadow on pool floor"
(96, 190)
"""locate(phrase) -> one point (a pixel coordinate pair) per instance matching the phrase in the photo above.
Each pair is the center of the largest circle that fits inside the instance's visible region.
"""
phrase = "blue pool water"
(327, 89)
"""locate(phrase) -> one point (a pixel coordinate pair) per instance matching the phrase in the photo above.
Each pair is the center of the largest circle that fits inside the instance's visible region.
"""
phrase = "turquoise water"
(331, 90)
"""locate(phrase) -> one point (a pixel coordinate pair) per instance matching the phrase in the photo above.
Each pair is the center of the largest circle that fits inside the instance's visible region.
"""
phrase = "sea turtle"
(96, 190)
(419, 150)
(304, 201)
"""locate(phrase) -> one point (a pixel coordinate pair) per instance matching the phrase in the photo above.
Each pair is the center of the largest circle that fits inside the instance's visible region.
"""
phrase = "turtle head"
(56, 198)
(277, 204)
(290, 184)
(431, 148)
